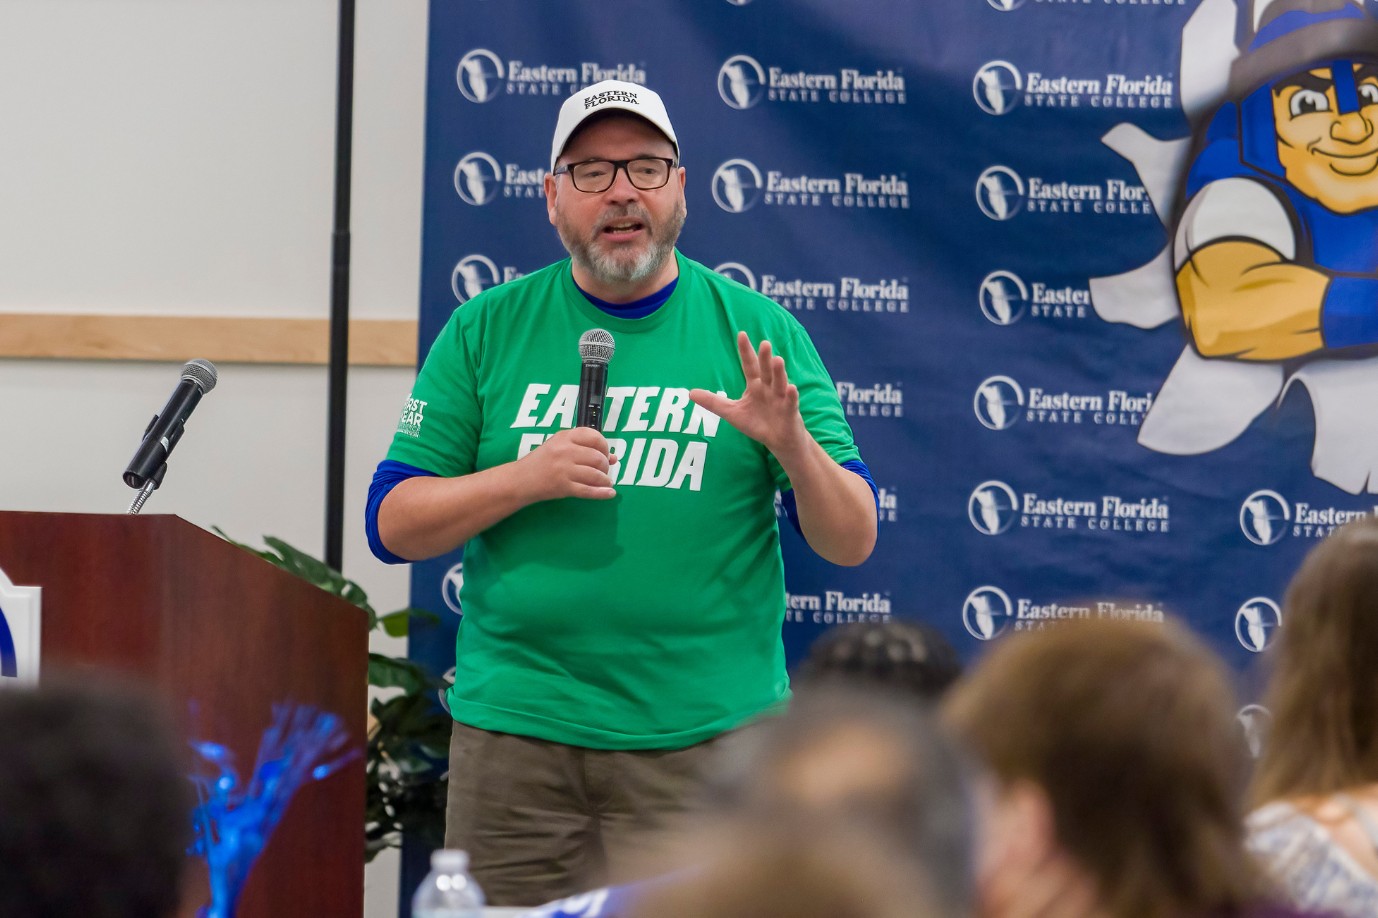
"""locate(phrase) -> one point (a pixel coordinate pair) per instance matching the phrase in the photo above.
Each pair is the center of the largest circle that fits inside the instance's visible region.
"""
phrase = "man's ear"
(550, 197)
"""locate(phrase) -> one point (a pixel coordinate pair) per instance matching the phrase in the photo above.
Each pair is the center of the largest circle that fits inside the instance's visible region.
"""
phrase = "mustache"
(630, 212)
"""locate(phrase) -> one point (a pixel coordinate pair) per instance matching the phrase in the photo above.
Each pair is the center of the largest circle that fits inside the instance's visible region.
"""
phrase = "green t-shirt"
(652, 620)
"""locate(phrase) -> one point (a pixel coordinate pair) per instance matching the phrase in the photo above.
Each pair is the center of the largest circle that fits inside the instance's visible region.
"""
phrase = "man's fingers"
(586, 454)
(587, 436)
(590, 476)
(710, 400)
(750, 365)
(766, 363)
(594, 459)
(779, 380)
(576, 448)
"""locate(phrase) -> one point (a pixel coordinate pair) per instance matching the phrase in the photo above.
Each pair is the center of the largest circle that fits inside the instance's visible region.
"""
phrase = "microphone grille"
(595, 346)
(201, 372)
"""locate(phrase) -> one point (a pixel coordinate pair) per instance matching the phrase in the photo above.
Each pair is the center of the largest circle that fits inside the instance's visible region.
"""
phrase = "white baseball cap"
(604, 96)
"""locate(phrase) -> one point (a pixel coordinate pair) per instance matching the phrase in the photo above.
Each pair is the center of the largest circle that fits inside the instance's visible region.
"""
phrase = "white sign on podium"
(20, 631)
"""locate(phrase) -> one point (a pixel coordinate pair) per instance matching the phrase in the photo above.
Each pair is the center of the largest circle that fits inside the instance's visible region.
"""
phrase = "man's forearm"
(425, 516)
(837, 511)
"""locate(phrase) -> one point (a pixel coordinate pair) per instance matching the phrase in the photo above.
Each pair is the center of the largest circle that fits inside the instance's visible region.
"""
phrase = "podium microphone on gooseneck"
(149, 465)
(595, 350)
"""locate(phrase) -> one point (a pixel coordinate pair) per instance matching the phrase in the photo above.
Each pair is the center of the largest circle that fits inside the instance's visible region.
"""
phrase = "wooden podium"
(226, 635)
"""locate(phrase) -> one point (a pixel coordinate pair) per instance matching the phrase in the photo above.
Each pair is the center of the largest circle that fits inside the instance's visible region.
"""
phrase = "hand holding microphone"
(575, 462)
(572, 463)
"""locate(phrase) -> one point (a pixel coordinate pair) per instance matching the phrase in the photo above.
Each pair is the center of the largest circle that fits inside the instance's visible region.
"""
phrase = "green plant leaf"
(424, 615)
(354, 593)
(313, 569)
(390, 672)
(265, 555)
(396, 624)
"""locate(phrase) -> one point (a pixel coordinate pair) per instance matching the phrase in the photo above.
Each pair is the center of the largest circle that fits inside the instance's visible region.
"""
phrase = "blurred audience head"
(1322, 693)
(1118, 772)
(805, 866)
(903, 656)
(95, 806)
(880, 764)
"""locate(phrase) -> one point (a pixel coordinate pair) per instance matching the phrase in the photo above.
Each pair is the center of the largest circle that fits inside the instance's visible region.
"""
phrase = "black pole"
(339, 293)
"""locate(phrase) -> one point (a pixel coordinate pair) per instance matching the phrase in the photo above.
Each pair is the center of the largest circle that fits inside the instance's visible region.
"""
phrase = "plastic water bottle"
(448, 891)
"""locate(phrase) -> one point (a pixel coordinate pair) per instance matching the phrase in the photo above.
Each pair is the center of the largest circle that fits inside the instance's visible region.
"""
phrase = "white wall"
(176, 157)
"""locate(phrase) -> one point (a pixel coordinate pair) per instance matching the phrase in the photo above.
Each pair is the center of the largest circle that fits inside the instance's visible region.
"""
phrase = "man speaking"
(623, 587)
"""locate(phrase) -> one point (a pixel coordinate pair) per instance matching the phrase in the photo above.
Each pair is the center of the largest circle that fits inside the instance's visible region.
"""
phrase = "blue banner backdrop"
(969, 205)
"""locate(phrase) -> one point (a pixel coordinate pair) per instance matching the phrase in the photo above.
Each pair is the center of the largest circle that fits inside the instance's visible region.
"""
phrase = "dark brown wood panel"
(225, 636)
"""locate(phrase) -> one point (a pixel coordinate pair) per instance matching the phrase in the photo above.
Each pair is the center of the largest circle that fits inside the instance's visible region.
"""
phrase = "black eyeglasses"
(597, 175)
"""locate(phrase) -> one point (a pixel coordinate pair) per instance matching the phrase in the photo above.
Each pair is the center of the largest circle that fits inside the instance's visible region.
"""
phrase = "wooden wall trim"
(372, 342)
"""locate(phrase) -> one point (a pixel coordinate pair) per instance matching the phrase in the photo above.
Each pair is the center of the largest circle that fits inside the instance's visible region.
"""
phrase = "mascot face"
(1327, 134)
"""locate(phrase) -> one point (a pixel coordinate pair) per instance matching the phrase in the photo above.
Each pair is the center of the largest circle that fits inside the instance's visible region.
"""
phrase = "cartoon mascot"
(1275, 254)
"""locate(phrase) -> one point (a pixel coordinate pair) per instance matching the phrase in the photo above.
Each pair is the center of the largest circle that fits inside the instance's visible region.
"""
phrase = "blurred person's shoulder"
(1280, 911)
(1275, 824)
(1296, 842)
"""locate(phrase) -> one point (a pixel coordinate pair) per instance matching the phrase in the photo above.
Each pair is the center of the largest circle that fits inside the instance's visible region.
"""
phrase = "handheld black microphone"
(163, 432)
(595, 350)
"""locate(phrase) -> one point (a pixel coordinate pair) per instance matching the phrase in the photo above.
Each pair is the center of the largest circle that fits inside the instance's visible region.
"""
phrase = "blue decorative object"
(9, 666)
(233, 821)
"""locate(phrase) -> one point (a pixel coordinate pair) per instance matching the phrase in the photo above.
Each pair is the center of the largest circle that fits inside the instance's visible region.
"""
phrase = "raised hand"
(768, 411)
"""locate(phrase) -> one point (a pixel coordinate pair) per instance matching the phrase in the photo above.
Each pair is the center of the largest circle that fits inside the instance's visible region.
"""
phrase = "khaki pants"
(543, 820)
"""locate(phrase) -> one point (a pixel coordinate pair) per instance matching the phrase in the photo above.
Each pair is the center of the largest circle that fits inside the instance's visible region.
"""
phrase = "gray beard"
(614, 268)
